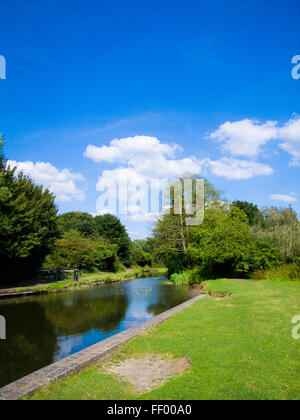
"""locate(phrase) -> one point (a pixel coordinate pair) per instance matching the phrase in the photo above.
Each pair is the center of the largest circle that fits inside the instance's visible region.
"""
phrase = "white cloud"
(136, 235)
(129, 149)
(59, 182)
(140, 159)
(142, 218)
(290, 134)
(283, 197)
(245, 137)
(237, 169)
(145, 157)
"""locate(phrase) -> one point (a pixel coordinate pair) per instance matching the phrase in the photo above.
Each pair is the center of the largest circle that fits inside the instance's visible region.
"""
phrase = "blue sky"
(206, 85)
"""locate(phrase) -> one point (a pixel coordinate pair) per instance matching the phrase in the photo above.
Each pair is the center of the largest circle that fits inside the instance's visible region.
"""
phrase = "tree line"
(33, 235)
(234, 237)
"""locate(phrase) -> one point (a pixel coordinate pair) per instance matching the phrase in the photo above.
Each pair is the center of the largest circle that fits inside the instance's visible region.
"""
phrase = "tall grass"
(187, 277)
(285, 272)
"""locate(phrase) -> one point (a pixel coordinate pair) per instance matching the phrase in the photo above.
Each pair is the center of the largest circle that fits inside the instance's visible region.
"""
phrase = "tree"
(263, 254)
(282, 227)
(171, 235)
(28, 226)
(106, 256)
(250, 209)
(2, 159)
(110, 228)
(82, 222)
(139, 256)
(70, 251)
(222, 242)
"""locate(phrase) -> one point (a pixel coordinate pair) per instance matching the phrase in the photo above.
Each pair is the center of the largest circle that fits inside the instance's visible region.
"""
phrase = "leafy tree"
(139, 256)
(28, 226)
(263, 254)
(171, 235)
(147, 245)
(105, 256)
(169, 244)
(250, 209)
(2, 159)
(221, 243)
(70, 251)
(82, 222)
(110, 228)
(282, 227)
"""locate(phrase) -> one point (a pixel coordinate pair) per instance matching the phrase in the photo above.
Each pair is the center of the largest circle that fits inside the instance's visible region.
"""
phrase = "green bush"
(263, 254)
(140, 257)
(105, 257)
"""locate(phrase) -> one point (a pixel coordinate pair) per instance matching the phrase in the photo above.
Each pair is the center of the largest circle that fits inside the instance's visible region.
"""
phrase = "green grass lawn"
(239, 347)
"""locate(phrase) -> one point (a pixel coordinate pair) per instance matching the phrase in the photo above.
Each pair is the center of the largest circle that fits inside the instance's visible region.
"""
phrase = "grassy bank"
(88, 281)
(239, 347)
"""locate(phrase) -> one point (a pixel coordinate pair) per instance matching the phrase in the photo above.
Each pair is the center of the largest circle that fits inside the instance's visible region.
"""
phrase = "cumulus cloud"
(290, 134)
(237, 169)
(245, 137)
(139, 160)
(130, 149)
(62, 183)
(283, 197)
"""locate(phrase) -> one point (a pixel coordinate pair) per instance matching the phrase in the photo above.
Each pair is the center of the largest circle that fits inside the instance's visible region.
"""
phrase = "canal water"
(43, 329)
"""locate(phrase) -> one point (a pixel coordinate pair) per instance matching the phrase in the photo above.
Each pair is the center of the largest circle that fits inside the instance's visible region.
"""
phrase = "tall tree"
(283, 228)
(2, 160)
(222, 242)
(250, 209)
(82, 222)
(28, 225)
(171, 233)
(110, 228)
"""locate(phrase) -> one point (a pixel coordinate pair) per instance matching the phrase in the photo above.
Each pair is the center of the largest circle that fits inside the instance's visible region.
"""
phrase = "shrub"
(187, 277)
(263, 254)
(105, 257)
(140, 257)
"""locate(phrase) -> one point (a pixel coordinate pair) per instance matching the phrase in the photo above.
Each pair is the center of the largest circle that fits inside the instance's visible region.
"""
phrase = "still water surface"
(44, 329)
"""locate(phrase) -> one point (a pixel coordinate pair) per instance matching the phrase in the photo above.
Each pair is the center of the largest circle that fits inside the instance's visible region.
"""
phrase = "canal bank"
(29, 384)
(44, 329)
(84, 282)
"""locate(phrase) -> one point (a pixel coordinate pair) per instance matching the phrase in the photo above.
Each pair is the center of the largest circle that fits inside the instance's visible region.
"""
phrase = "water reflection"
(43, 329)
(25, 348)
(76, 314)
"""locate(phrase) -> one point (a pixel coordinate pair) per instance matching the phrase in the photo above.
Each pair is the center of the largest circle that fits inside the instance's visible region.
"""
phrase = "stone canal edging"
(100, 351)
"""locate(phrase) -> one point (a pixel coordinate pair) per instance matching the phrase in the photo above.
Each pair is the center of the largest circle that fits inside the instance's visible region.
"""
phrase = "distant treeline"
(34, 236)
(234, 237)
